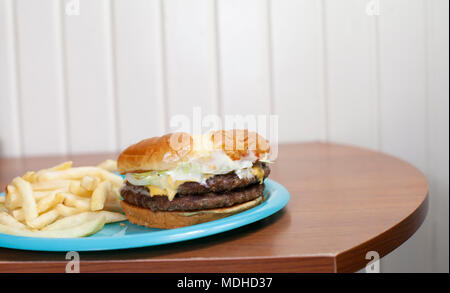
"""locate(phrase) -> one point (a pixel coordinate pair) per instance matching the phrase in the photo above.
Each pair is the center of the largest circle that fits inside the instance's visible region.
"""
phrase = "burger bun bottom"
(169, 220)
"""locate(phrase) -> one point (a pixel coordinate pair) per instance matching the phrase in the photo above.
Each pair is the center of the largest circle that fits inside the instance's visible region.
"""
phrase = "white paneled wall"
(438, 127)
(351, 73)
(139, 69)
(191, 61)
(90, 75)
(298, 72)
(10, 108)
(244, 56)
(39, 67)
(372, 73)
(402, 72)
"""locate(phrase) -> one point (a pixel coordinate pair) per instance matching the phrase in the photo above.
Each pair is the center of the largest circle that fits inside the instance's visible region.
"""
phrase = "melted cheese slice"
(155, 190)
(169, 191)
(259, 173)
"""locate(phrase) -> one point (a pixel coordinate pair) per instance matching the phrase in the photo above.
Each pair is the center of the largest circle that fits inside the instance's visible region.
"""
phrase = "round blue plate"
(116, 236)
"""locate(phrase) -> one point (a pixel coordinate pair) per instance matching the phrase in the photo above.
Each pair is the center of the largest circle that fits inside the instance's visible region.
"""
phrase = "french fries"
(83, 230)
(79, 173)
(66, 211)
(99, 195)
(112, 202)
(2, 204)
(43, 220)
(51, 185)
(109, 165)
(50, 201)
(12, 199)
(7, 219)
(18, 215)
(76, 188)
(62, 201)
(28, 200)
(29, 176)
(75, 220)
(75, 201)
(89, 182)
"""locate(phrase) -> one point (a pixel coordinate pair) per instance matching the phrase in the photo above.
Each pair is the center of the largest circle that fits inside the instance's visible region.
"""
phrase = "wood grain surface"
(345, 202)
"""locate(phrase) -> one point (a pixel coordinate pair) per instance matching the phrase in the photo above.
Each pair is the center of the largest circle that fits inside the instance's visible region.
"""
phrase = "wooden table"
(345, 202)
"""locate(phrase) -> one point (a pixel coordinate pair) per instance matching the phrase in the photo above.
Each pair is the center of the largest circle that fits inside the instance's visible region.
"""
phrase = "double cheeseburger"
(180, 180)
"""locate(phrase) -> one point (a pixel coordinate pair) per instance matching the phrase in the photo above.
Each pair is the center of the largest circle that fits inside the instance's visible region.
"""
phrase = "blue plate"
(116, 236)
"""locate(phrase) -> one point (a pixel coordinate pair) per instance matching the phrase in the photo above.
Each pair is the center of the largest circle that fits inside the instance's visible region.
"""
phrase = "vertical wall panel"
(190, 56)
(402, 72)
(92, 123)
(10, 139)
(403, 110)
(351, 73)
(298, 69)
(41, 100)
(438, 127)
(138, 64)
(244, 56)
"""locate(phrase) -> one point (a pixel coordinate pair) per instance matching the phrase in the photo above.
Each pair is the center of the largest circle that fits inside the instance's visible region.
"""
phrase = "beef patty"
(139, 196)
(222, 183)
(217, 192)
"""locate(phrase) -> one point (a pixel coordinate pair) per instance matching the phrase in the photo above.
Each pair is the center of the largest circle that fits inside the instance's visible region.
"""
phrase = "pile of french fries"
(62, 201)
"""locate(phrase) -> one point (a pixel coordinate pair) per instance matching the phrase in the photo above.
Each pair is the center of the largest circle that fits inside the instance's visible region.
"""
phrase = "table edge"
(287, 264)
(354, 258)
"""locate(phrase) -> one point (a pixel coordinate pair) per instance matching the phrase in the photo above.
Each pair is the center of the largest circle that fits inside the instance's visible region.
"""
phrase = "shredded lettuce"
(154, 178)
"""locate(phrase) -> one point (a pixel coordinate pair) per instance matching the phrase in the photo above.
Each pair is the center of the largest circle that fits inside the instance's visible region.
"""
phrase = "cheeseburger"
(180, 180)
